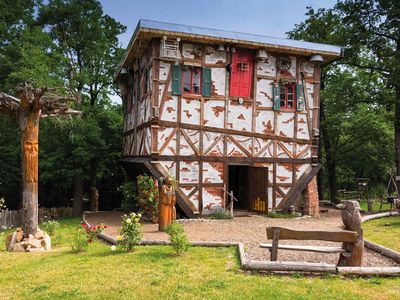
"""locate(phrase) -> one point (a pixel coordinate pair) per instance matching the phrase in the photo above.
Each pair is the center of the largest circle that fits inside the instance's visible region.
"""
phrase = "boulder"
(13, 241)
(20, 235)
(18, 248)
(34, 249)
(46, 241)
(33, 243)
(39, 235)
(8, 240)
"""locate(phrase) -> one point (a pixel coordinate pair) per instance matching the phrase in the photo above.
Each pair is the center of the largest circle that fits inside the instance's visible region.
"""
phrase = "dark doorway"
(250, 186)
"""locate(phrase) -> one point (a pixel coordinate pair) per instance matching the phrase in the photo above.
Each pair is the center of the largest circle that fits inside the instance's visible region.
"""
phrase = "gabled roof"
(150, 28)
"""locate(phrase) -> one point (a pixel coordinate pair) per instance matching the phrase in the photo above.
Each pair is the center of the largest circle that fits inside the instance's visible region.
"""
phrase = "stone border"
(392, 254)
(273, 266)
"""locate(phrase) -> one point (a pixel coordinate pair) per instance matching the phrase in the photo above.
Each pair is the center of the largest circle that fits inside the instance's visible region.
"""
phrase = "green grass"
(279, 215)
(154, 272)
(375, 206)
(385, 231)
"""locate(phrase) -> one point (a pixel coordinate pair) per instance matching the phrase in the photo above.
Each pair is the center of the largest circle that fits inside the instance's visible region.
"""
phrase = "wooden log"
(319, 249)
(275, 242)
(331, 236)
(369, 271)
(383, 250)
(380, 215)
(286, 266)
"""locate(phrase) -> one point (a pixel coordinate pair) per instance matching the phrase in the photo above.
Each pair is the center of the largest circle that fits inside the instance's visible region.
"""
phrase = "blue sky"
(268, 17)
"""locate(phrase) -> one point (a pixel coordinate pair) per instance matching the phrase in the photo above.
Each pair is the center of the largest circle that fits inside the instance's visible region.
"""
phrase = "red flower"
(84, 225)
(98, 226)
(105, 226)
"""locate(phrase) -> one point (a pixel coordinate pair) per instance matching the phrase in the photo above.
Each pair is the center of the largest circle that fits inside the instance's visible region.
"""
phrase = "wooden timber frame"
(195, 138)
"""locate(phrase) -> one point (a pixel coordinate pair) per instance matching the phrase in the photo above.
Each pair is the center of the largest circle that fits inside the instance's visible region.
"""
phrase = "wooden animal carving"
(351, 219)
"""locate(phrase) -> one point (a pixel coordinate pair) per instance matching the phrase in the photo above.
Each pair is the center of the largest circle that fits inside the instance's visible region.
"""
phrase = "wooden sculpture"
(27, 111)
(351, 219)
(167, 212)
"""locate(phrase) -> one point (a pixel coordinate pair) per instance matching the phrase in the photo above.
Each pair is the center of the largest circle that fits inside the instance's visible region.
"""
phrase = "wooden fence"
(11, 218)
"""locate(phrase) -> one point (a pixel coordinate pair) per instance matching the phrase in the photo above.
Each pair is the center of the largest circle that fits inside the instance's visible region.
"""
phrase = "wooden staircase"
(181, 199)
(295, 192)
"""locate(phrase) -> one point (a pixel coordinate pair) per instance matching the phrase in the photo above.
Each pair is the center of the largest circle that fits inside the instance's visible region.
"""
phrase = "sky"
(265, 17)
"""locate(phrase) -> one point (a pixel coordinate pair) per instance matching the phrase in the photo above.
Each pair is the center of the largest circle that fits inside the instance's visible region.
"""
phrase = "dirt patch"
(250, 230)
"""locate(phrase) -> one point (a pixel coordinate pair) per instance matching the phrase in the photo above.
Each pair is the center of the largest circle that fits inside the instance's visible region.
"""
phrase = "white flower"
(139, 215)
(129, 221)
(113, 248)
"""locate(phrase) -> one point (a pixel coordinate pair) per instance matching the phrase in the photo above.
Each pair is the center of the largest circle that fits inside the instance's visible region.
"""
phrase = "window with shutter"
(241, 73)
(176, 79)
(287, 96)
(192, 80)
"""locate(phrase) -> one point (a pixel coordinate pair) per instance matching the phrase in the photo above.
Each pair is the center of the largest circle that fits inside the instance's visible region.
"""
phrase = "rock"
(35, 250)
(34, 243)
(46, 241)
(13, 241)
(39, 235)
(8, 240)
(18, 248)
(20, 235)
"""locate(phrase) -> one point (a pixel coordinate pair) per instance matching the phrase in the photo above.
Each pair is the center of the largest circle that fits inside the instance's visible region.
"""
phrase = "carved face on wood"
(31, 151)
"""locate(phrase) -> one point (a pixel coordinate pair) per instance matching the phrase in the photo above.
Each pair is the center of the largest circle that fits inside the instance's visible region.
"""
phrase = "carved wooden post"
(27, 111)
(351, 218)
(29, 124)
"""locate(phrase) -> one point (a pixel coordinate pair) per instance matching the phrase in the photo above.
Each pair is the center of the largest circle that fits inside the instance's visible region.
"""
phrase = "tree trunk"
(330, 160)
(397, 133)
(94, 198)
(78, 195)
(29, 122)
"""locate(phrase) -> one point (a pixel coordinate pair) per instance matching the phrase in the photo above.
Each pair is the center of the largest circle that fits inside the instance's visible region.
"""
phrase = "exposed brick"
(311, 201)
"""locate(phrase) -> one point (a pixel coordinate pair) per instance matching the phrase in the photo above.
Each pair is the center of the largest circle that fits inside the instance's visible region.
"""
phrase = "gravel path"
(250, 230)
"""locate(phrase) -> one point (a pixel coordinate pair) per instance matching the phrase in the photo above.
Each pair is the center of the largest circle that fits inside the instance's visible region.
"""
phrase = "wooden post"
(275, 242)
(351, 219)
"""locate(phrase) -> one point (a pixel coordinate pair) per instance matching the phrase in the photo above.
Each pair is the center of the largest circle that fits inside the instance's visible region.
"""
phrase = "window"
(192, 80)
(241, 73)
(287, 96)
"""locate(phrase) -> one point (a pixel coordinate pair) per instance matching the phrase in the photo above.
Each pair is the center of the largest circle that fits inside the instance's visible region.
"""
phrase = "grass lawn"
(385, 231)
(375, 205)
(153, 272)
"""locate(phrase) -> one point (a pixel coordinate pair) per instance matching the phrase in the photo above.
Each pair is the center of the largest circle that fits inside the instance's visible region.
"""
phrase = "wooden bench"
(283, 233)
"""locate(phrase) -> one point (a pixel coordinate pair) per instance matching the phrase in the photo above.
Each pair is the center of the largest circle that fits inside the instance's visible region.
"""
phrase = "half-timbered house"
(224, 111)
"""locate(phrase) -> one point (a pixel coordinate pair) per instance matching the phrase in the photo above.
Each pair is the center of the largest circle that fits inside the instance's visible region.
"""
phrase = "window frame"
(192, 69)
(286, 107)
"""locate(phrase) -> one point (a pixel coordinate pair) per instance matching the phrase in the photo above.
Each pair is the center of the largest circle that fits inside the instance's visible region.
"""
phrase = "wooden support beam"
(318, 249)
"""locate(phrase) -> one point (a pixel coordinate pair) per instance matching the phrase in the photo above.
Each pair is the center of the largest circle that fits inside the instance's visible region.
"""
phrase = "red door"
(242, 73)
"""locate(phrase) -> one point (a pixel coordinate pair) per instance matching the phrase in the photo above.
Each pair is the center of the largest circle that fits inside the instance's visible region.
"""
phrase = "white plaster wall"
(239, 116)
(189, 172)
(214, 113)
(190, 111)
(213, 56)
(170, 109)
(213, 172)
(286, 124)
(264, 97)
(218, 76)
(264, 121)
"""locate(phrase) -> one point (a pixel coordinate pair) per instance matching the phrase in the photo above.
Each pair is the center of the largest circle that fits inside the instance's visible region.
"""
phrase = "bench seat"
(319, 249)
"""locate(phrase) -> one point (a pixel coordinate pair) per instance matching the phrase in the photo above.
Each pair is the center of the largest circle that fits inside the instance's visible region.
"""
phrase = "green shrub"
(178, 238)
(279, 215)
(79, 241)
(128, 191)
(147, 196)
(50, 227)
(3, 207)
(131, 231)
(221, 215)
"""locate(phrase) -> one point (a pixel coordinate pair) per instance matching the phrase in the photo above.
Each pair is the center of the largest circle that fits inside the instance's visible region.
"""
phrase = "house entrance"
(250, 186)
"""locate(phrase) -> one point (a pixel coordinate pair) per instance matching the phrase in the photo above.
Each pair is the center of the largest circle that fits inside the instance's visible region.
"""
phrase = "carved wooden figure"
(167, 204)
(27, 110)
(351, 218)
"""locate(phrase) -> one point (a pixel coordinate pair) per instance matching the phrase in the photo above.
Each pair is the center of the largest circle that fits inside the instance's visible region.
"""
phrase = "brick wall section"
(311, 205)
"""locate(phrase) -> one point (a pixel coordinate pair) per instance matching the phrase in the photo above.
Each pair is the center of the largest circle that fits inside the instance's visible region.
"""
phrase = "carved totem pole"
(167, 211)
(27, 110)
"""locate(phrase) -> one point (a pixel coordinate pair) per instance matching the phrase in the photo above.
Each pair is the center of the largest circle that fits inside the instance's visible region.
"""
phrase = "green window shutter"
(277, 99)
(206, 84)
(300, 97)
(176, 79)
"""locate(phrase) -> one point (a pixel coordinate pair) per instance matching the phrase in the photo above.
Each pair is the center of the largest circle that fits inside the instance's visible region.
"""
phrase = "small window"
(192, 80)
(287, 95)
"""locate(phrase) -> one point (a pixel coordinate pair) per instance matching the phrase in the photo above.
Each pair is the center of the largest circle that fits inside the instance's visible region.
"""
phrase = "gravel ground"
(250, 230)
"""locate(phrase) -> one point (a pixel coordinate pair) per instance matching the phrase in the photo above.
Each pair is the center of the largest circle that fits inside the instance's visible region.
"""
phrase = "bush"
(50, 226)
(148, 196)
(221, 215)
(178, 238)
(128, 191)
(3, 207)
(84, 236)
(131, 231)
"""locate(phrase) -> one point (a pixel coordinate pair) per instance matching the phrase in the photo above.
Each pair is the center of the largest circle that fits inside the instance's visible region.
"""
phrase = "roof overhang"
(146, 30)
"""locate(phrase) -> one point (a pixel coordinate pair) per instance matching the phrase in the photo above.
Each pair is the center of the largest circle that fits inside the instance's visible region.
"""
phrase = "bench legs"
(275, 242)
